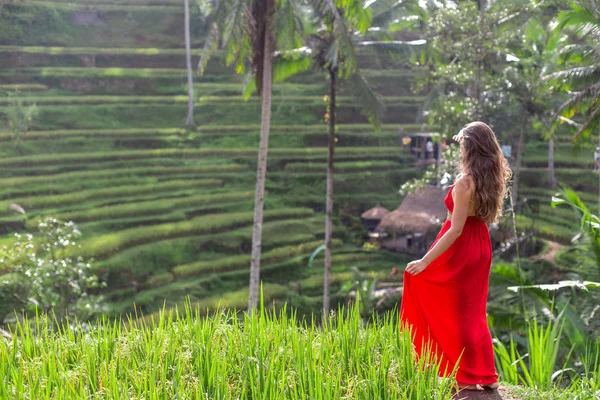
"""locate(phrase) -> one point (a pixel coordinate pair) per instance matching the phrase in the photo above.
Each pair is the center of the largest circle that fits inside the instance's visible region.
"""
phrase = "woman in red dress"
(445, 292)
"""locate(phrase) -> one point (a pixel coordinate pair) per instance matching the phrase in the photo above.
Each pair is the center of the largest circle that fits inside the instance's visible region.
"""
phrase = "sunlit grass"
(269, 355)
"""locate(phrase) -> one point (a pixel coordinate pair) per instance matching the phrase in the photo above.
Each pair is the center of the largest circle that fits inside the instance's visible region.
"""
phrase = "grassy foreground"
(229, 355)
(224, 356)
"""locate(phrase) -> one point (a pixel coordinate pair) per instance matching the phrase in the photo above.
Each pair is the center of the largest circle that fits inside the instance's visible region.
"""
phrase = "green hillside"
(167, 213)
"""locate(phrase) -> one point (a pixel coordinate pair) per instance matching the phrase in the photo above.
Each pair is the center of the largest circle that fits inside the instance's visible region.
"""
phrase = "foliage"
(363, 286)
(590, 226)
(49, 279)
(581, 78)
(537, 367)
(181, 355)
(19, 117)
(445, 175)
(468, 47)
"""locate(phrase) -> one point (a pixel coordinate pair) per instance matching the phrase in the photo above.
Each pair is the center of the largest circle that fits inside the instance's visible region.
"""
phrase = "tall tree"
(476, 39)
(533, 56)
(250, 31)
(333, 48)
(188, 59)
(582, 75)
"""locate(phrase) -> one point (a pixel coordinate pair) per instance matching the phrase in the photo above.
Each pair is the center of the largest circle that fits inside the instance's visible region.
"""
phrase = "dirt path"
(549, 256)
(501, 394)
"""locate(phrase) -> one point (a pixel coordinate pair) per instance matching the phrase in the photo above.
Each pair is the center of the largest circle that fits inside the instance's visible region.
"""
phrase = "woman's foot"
(466, 386)
(492, 386)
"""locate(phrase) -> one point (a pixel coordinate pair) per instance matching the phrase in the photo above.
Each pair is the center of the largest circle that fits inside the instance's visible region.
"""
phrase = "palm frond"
(580, 52)
(355, 19)
(592, 113)
(286, 65)
(393, 47)
(581, 19)
(211, 43)
(288, 24)
(582, 102)
(370, 102)
(386, 13)
(579, 76)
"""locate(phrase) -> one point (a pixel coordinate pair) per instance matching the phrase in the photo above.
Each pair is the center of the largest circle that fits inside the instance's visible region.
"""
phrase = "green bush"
(161, 279)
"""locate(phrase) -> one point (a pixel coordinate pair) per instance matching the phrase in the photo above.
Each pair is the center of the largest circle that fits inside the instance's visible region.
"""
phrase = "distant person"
(445, 292)
(429, 149)
(597, 159)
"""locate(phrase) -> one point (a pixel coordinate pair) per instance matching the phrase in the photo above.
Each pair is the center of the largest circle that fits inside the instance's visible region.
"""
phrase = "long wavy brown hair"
(482, 158)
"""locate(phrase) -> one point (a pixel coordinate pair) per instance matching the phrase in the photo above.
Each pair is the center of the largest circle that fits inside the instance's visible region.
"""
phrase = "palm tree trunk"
(188, 57)
(261, 169)
(551, 174)
(329, 200)
(518, 160)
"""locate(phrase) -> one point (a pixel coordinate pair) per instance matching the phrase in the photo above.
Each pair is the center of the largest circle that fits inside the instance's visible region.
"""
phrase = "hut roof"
(407, 222)
(428, 200)
(375, 213)
(419, 212)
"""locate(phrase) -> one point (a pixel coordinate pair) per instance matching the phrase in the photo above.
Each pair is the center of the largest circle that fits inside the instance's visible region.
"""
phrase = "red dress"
(446, 304)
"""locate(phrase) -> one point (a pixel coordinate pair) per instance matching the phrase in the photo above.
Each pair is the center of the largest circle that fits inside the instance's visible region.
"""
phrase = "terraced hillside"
(166, 213)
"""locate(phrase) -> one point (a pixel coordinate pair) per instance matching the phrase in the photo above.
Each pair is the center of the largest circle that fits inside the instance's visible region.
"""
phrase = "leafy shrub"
(48, 278)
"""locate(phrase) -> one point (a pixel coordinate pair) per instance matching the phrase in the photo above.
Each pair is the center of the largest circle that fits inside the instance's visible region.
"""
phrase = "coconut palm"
(530, 61)
(347, 27)
(188, 59)
(250, 31)
(583, 78)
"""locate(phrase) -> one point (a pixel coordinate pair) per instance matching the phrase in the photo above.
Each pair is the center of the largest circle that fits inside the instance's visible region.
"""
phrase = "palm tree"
(188, 58)
(583, 80)
(584, 77)
(250, 31)
(344, 29)
(529, 63)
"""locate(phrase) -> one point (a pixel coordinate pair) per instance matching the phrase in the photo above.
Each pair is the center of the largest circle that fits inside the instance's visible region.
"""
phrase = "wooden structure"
(373, 216)
(415, 223)
(418, 144)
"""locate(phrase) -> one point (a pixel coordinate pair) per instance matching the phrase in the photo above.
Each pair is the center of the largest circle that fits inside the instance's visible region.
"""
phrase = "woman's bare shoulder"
(465, 183)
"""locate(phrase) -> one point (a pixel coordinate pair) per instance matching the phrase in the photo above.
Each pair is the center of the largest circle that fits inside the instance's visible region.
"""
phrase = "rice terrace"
(224, 199)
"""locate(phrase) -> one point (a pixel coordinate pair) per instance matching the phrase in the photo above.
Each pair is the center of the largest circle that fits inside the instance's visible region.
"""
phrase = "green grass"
(23, 87)
(41, 202)
(152, 207)
(391, 133)
(53, 50)
(94, 157)
(342, 167)
(109, 244)
(202, 99)
(547, 230)
(165, 254)
(116, 173)
(184, 356)
(124, 116)
(160, 8)
(243, 261)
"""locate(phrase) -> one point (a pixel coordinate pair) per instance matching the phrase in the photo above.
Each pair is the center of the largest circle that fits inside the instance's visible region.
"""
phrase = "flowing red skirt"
(446, 306)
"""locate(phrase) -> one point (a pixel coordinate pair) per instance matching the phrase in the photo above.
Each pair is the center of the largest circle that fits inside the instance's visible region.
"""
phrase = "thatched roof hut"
(399, 221)
(376, 213)
(419, 212)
